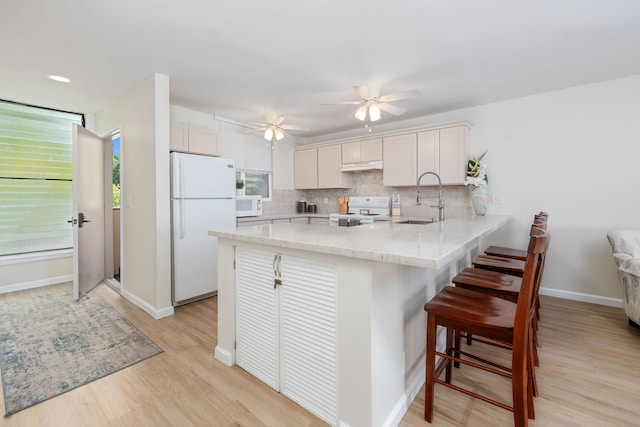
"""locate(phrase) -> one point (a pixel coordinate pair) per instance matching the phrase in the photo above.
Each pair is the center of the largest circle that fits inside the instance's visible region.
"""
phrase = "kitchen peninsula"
(332, 317)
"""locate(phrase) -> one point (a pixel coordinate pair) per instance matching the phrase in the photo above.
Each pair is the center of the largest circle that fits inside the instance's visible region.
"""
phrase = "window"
(256, 183)
(35, 178)
(115, 169)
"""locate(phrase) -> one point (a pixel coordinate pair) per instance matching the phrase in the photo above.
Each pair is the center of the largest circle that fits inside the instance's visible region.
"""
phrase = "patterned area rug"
(52, 344)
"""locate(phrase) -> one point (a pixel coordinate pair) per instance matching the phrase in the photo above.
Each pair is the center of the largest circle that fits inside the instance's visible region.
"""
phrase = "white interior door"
(88, 210)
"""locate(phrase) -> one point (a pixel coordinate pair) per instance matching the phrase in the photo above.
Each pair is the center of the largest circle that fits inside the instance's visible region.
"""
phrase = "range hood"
(361, 166)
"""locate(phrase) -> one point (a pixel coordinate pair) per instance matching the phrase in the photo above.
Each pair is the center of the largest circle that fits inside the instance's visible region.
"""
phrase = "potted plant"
(477, 181)
(239, 186)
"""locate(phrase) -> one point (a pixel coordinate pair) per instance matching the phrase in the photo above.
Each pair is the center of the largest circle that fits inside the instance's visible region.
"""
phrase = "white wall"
(142, 115)
(572, 153)
(19, 272)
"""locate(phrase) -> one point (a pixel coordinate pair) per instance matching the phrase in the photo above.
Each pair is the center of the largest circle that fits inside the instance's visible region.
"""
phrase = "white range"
(364, 209)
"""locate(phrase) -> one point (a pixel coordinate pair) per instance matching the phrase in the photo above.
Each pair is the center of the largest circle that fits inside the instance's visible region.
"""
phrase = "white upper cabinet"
(305, 173)
(369, 150)
(403, 156)
(319, 167)
(329, 164)
(454, 153)
(444, 151)
(400, 160)
(189, 138)
(429, 156)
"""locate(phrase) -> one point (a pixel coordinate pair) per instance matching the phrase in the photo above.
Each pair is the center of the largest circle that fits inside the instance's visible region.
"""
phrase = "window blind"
(35, 178)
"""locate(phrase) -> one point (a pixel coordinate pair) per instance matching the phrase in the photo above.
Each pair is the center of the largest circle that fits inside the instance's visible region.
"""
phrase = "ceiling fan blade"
(256, 124)
(293, 127)
(344, 103)
(400, 95)
(363, 91)
(389, 108)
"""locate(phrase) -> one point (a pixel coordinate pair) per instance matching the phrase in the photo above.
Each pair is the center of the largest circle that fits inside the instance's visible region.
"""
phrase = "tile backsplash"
(369, 183)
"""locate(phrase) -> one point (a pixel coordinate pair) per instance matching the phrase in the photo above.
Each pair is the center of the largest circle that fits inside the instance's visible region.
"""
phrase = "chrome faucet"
(440, 204)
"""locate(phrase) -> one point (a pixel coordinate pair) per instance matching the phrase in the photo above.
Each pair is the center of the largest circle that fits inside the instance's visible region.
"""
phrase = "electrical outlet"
(326, 200)
(497, 198)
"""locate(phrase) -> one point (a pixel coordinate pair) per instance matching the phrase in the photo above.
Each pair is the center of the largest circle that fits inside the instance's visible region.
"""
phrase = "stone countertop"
(280, 216)
(427, 246)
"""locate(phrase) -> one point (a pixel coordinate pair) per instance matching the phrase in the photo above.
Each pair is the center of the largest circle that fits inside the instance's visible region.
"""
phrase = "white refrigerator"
(202, 199)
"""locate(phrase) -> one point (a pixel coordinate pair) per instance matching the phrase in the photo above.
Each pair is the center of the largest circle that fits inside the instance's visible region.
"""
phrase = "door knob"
(81, 219)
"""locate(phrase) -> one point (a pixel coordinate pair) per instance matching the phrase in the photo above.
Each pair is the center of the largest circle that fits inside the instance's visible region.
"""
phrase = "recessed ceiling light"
(61, 79)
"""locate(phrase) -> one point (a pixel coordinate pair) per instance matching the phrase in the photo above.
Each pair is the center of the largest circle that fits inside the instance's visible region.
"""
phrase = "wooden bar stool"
(510, 265)
(521, 254)
(504, 286)
(514, 264)
(507, 287)
(483, 315)
(499, 264)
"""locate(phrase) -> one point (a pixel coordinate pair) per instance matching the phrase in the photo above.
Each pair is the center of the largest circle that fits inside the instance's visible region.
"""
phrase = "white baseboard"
(579, 296)
(415, 385)
(224, 356)
(153, 312)
(35, 284)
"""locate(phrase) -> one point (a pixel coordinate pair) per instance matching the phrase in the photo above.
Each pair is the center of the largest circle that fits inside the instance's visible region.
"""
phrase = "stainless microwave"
(248, 206)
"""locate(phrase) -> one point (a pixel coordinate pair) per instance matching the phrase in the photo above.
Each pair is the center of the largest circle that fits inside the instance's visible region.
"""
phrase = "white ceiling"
(242, 59)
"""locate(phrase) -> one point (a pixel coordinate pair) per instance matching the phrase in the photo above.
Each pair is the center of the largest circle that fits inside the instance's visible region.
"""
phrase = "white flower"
(476, 172)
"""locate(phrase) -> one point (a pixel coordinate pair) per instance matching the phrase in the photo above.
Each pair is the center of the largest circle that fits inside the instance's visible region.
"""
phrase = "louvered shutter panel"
(308, 364)
(256, 315)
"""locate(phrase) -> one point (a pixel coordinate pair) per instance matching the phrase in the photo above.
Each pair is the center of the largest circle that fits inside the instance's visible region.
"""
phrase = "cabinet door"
(351, 152)
(371, 150)
(329, 164)
(257, 337)
(429, 156)
(399, 158)
(203, 141)
(308, 325)
(179, 139)
(362, 151)
(305, 168)
(454, 153)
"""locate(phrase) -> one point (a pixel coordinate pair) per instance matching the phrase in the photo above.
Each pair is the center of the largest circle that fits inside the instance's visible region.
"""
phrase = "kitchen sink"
(416, 221)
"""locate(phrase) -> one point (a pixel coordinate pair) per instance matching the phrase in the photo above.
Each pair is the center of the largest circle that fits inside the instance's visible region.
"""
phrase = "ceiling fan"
(372, 103)
(274, 128)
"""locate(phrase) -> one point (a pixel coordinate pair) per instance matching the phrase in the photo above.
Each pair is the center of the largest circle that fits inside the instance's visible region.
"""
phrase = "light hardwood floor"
(589, 376)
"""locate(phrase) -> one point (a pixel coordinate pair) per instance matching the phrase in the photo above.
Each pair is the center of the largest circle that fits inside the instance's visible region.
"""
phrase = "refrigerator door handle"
(182, 219)
(181, 186)
(181, 178)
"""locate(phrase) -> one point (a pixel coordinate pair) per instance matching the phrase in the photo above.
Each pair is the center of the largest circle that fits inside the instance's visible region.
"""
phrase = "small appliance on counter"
(311, 208)
(301, 207)
(248, 206)
(348, 222)
(395, 204)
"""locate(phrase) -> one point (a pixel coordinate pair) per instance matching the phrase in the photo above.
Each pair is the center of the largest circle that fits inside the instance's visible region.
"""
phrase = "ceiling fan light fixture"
(268, 134)
(361, 112)
(374, 112)
(279, 134)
